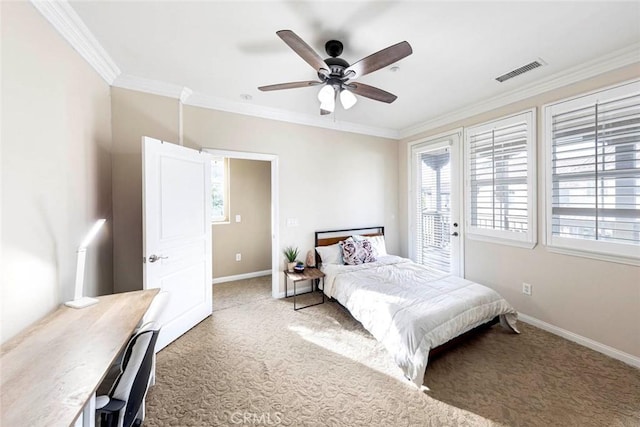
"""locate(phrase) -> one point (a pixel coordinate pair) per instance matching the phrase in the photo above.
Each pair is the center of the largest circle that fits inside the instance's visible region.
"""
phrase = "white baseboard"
(587, 342)
(241, 276)
(299, 290)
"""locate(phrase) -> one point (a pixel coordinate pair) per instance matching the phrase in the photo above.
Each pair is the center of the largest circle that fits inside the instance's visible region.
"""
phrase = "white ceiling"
(222, 49)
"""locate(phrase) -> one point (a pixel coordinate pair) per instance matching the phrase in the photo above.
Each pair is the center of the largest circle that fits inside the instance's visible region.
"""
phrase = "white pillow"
(377, 242)
(331, 254)
(379, 245)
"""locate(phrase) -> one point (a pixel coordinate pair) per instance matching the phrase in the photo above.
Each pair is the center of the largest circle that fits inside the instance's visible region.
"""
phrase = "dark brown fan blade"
(304, 50)
(290, 85)
(371, 92)
(379, 60)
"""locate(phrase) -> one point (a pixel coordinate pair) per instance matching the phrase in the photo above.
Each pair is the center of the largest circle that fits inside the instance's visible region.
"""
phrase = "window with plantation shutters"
(500, 180)
(592, 147)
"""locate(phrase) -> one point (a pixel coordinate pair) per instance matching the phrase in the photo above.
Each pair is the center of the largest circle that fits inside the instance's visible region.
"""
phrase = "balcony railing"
(436, 240)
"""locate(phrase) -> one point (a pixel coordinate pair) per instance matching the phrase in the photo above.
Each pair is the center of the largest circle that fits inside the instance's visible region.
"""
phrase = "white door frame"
(275, 233)
(455, 135)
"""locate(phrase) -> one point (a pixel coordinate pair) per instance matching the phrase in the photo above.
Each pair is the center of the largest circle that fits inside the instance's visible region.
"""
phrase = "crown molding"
(155, 87)
(610, 62)
(185, 94)
(215, 103)
(67, 22)
(197, 99)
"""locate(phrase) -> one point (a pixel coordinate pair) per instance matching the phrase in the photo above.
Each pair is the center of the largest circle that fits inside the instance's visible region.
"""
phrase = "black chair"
(153, 314)
(124, 404)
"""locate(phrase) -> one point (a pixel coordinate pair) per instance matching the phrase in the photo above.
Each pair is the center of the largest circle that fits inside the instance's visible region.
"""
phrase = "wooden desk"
(51, 370)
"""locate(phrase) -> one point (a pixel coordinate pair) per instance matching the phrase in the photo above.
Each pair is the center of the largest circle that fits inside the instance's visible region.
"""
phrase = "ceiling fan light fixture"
(327, 94)
(348, 99)
(327, 107)
(334, 73)
(327, 98)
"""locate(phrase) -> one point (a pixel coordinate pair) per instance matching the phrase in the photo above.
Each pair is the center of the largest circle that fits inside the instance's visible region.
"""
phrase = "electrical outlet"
(238, 257)
(526, 288)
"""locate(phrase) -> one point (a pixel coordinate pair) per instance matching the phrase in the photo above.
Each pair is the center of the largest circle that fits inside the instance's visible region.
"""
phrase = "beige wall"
(56, 169)
(61, 170)
(134, 115)
(595, 299)
(328, 179)
(249, 197)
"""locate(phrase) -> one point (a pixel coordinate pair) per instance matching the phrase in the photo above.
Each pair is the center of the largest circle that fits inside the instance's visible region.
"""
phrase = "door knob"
(455, 233)
(154, 258)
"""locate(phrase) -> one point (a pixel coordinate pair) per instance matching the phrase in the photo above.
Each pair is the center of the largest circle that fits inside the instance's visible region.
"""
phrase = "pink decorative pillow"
(354, 253)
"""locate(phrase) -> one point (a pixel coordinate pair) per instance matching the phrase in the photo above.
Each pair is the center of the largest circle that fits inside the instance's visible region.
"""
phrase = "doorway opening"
(272, 159)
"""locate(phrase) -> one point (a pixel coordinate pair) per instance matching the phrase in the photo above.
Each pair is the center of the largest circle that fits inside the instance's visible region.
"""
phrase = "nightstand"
(309, 273)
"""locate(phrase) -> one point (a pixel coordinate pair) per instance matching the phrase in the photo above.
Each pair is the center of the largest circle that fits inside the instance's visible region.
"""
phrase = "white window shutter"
(500, 180)
(593, 172)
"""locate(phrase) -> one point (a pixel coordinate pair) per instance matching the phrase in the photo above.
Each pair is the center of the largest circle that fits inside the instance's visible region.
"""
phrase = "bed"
(410, 308)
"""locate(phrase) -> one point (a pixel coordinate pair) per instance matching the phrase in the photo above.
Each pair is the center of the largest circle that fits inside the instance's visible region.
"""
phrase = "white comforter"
(411, 309)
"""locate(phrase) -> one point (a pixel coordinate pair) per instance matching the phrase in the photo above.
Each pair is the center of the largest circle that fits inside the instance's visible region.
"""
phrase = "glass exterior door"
(436, 230)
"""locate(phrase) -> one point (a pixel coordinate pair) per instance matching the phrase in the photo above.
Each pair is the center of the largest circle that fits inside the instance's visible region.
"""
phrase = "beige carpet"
(257, 362)
(233, 294)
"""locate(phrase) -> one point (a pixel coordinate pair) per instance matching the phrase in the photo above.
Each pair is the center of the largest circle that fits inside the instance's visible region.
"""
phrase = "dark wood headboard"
(331, 237)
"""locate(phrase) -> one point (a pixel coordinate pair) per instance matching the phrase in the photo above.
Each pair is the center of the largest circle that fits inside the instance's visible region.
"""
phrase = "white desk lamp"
(78, 300)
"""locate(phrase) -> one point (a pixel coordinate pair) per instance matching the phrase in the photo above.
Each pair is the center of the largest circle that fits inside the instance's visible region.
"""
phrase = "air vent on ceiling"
(521, 70)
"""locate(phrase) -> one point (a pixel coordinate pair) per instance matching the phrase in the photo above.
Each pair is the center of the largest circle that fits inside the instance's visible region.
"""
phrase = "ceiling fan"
(336, 75)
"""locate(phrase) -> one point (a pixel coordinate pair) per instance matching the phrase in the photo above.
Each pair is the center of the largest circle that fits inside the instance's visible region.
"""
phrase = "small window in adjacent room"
(220, 190)
(500, 181)
(592, 174)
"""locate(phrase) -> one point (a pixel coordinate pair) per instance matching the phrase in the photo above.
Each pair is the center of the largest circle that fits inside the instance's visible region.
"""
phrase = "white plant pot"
(290, 266)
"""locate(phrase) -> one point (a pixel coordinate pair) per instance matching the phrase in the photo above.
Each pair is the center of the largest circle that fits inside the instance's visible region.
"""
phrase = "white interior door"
(436, 228)
(177, 233)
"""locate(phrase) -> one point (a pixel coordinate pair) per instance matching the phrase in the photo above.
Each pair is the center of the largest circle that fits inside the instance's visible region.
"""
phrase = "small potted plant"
(291, 254)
